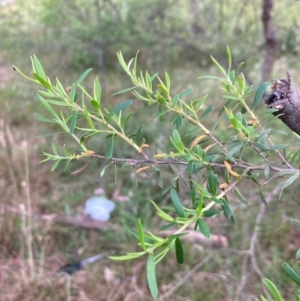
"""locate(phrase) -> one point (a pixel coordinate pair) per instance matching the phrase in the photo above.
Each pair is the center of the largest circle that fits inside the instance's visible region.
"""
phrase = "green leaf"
(73, 94)
(278, 146)
(224, 107)
(197, 104)
(73, 122)
(55, 165)
(95, 104)
(163, 215)
(240, 196)
(147, 238)
(176, 141)
(124, 91)
(161, 113)
(234, 150)
(97, 90)
(83, 76)
(291, 180)
(200, 204)
(54, 149)
(219, 67)
(141, 233)
(232, 76)
(88, 117)
(211, 212)
(174, 236)
(203, 228)
(272, 289)
(263, 198)
(227, 210)
(153, 76)
(168, 82)
(212, 183)
(44, 119)
(128, 256)
(259, 94)
(110, 148)
(151, 276)
(121, 106)
(291, 272)
(126, 120)
(39, 69)
(239, 66)
(207, 111)
(229, 58)
(175, 100)
(177, 203)
(168, 226)
(186, 92)
(262, 147)
(209, 77)
(178, 122)
(284, 172)
(179, 251)
(160, 181)
(295, 222)
(42, 81)
(47, 106)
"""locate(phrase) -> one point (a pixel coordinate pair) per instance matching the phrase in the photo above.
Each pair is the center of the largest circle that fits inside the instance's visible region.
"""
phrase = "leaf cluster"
(213, 166)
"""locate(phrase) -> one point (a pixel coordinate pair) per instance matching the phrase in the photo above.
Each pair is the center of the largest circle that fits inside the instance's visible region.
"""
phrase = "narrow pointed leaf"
(151, 276)
(291, 180)
(272, 289)
(263, 198)
(73, 122)
(295, 222)
(88, 117)
(179, 251)
(212, 183)
(209, 77)
(259, 94)
(203, 228)
(186, 92)
(128, 256)
(121, 106)
(207, 111)
(39, 69)
(95, 104)
(47, 106)
(291, 272)
(141, 233)
(72, 93)
(124, 91)
(177, 203)
(42, 81)
(240, 196)
(110, 148)
(83, 76)
(97, 90)
(44, 119)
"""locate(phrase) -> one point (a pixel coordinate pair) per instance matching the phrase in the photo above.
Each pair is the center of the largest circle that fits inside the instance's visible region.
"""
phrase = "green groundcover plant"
(212, 166)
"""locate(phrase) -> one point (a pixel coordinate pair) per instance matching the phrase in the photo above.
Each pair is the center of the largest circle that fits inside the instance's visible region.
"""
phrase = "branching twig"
(153, 162)
(167, 295)
(253, 242)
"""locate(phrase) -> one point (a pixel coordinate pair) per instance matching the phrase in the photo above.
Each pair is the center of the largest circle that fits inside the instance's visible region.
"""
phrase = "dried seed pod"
(286, 99)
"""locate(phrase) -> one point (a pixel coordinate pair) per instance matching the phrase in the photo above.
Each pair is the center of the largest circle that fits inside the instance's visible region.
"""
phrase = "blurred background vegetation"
(70, 36)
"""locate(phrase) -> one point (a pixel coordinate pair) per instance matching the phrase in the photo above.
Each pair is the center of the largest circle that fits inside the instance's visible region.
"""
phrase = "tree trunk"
(270, 39)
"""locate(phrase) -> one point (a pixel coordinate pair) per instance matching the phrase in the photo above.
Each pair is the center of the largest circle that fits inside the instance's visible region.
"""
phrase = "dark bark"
(270, 39)
(286, 99)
